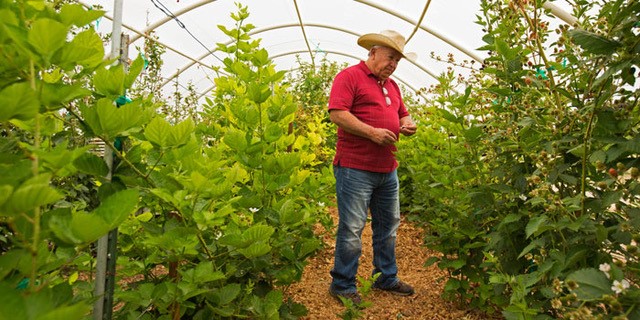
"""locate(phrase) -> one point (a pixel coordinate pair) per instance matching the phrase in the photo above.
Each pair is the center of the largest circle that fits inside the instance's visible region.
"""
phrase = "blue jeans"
(358, 192)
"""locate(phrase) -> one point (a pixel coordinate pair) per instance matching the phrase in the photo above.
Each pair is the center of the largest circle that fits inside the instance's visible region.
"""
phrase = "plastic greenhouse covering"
(305, 30)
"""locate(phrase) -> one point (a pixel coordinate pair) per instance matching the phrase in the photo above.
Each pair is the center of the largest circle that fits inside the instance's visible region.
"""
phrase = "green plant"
(352, 310)
(552, 111)
(215, 219)
(49, 209)
(310, 86)
(231, 202)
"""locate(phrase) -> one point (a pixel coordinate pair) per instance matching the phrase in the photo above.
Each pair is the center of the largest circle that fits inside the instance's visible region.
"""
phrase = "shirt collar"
(363, 66)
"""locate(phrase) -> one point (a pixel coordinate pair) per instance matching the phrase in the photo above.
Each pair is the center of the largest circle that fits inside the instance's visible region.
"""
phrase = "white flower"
(321, 204)
(619, 286)
(605, 267)
(254, 210)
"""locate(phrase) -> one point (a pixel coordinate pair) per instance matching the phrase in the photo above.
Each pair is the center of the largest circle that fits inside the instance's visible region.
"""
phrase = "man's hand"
(407, 126)
(408, 130)
(383, 136)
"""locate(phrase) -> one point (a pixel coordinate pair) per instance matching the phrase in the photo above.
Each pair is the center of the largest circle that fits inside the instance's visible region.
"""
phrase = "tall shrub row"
(215, 218)
(526, 173)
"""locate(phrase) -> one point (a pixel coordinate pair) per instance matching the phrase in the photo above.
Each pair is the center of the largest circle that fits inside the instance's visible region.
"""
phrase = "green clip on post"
(122, 100)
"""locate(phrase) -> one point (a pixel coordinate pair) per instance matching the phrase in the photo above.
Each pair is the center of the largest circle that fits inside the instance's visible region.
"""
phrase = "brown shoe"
(400, 288)
(352, 296)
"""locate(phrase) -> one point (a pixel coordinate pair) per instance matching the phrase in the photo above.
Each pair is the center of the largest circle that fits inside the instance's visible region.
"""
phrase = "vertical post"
(105, 258)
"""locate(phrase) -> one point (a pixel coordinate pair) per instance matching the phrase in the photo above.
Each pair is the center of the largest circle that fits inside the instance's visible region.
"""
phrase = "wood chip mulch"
(426, 303)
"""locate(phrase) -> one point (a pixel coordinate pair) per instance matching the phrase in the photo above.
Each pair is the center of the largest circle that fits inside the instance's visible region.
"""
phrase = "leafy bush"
(532, 188)
(51, 66)
(215, 219)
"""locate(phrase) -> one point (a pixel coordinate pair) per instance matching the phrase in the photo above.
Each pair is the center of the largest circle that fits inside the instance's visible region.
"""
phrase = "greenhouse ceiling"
(303, 30)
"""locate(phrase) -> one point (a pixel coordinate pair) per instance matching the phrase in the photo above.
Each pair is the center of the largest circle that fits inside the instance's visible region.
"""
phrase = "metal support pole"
(105, 259)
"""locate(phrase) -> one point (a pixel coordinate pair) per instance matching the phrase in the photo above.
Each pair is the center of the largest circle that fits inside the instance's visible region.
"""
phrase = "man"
(367, 107)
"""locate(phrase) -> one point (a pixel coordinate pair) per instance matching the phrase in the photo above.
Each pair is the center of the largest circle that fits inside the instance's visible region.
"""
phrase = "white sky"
(454, 19)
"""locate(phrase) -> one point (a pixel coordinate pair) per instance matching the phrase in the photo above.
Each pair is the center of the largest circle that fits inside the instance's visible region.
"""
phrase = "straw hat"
(386, 38)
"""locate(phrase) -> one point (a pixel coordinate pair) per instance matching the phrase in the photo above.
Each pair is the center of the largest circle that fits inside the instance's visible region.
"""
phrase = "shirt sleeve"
(342, 92)
(402, 111)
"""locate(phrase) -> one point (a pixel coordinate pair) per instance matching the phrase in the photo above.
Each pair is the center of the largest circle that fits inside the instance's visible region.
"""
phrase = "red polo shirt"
(356, 89)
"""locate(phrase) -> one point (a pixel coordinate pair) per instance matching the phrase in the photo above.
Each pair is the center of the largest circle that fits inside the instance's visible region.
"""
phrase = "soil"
(428, 282)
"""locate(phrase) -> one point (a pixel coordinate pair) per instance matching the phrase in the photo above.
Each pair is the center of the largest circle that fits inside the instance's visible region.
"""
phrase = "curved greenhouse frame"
(421, 75)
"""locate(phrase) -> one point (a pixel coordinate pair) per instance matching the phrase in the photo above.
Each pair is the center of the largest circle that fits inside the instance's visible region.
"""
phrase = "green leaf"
(178, 240)
(452, 264)
(145, 217)
(502, 48)
(510, 218)
(430, 261)
(7, 17)
(12, 304)
(165, 196)
(134, 71)
(205, 273)
(110, 82)
(9, 261)
(255, 250)
(74, 311)
(225, 312)
(33, 193)
(290, 213)
(5, 194)
(60, 223)
(47, 36)
(449, 116)
(575, 256)
(75, 14)
(273, 132)
(56, 95)
(232, 240)
(307, 247)
(85, 49)
(257, 233)
(258, 93)
(535, 224)
(578, 150)
(499, 278)
(109, 121)
(260, 57)
(88, 227)
(473, 133)
(157, 131)
(452, 284)
(227, 293)
(537, 243)
(18, 101)
(235, 139)
(202, 273)
(91, 164)
(592, 284)
(180, 133)
(287, 161)
(594, 43)
(59, 157)
(37, 5)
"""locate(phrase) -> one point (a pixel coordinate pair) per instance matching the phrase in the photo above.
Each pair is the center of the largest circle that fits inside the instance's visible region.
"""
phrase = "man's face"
(385, 60)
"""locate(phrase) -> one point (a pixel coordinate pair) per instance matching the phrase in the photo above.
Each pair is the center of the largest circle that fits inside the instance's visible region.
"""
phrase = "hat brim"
(369, 40)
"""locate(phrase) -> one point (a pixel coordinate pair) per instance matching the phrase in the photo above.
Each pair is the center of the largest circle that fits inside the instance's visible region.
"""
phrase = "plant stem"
(540, 48)
(35, 168)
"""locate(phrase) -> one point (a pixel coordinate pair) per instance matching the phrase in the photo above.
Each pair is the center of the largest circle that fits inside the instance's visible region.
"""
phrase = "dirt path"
(428, 282)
